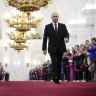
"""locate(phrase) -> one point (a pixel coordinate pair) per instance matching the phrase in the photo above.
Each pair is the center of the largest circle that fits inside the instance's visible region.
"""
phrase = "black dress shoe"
(56, 80)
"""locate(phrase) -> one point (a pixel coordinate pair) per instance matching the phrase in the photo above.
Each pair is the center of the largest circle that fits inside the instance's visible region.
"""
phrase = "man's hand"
(45, 52)
(66, 40)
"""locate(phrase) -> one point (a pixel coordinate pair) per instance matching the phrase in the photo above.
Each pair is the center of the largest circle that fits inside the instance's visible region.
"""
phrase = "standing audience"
(75, 66)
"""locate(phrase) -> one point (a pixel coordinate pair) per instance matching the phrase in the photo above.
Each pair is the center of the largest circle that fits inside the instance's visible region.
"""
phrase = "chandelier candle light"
(22, 21)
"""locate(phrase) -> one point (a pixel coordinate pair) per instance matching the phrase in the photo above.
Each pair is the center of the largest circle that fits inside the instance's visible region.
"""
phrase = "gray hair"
(55, 13)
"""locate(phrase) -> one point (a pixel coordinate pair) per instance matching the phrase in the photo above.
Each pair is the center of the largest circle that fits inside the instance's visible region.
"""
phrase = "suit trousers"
(56, 64)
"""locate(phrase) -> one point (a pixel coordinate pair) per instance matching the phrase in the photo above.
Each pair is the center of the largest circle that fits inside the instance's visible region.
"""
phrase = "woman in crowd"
(92, 51)
(71, 67)
(77, 65)
(66, 70)
(83, 58)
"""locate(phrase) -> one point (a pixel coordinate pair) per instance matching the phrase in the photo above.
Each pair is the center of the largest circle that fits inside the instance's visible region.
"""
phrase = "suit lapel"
(58, 28)
(53, 29)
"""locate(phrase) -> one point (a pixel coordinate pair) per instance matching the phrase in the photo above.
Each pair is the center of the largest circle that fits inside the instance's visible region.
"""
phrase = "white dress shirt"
(54, 25)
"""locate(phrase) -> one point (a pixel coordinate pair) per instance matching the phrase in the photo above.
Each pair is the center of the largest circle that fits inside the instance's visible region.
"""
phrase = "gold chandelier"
(28, 5)
(21, 37)
(18, 46)
(22, 27)
(23, 21)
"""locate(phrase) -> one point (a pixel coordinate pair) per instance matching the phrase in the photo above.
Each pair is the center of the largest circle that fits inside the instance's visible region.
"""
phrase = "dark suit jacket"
(56, 42)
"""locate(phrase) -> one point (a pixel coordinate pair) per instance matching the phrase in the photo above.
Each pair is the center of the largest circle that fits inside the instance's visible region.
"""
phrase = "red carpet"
(40, 88)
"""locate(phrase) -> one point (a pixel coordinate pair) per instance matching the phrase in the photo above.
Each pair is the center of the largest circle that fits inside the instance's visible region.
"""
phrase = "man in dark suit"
(57, 34)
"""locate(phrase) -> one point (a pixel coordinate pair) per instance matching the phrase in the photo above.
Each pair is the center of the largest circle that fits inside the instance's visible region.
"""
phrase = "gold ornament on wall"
(27, 64)
(6, 65)
(6, 48)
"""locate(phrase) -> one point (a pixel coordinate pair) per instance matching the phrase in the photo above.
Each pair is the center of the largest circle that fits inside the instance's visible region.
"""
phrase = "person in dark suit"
(57, 34)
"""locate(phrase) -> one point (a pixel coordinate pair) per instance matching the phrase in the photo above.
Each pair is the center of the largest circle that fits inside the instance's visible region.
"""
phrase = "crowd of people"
(43, 72)
(81, 63)
(78, 65)
(4, 76)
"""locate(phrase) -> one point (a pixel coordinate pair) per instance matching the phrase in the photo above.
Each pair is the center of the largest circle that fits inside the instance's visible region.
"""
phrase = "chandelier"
(20, 37)
(18, 46)
(22, 27)
(23, 21)
(28, 5)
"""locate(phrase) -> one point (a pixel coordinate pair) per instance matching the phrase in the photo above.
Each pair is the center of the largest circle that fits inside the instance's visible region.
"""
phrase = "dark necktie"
(56, 30)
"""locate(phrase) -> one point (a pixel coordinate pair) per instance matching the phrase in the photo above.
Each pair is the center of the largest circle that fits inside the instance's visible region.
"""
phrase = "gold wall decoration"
(27, 64)
(6, 48)
(6, 65)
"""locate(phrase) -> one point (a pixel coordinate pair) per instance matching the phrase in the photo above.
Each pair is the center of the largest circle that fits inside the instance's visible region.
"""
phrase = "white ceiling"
(68, 9)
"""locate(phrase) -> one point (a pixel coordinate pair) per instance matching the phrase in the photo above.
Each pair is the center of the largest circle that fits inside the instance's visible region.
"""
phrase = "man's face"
(55, 17)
